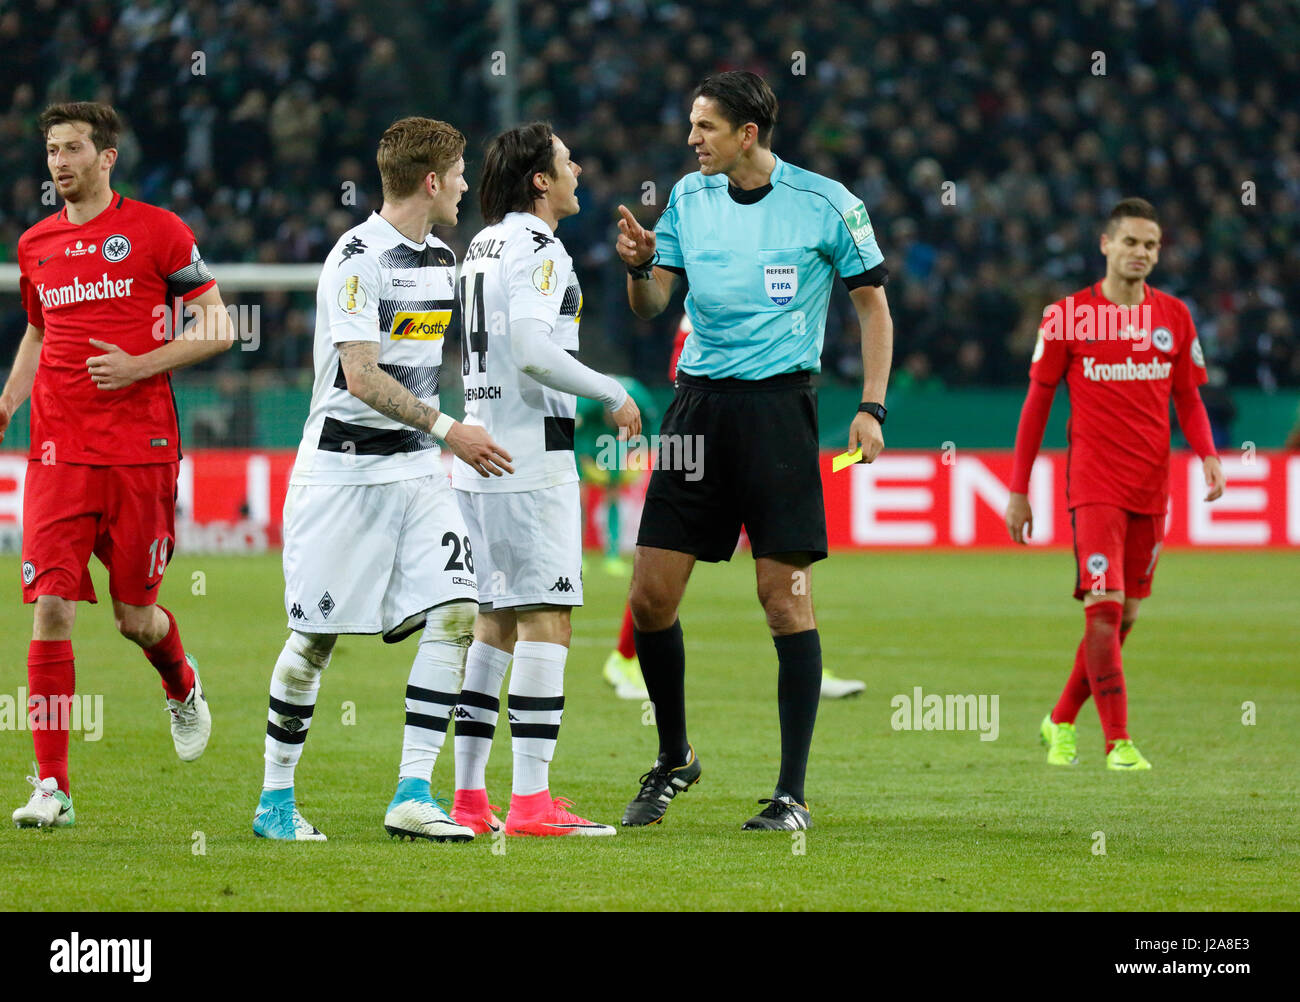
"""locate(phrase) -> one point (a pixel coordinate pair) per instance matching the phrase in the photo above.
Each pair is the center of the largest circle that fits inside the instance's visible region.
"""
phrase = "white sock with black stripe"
(535, 705)
(476, 713)
(294, 685)
(433, 688)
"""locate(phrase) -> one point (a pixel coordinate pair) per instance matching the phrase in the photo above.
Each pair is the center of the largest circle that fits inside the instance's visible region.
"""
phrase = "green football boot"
(1125, 758)
(1060, 742)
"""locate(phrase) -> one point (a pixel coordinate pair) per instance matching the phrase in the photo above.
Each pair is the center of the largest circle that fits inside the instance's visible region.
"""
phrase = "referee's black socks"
(663, 666)
(798, 688)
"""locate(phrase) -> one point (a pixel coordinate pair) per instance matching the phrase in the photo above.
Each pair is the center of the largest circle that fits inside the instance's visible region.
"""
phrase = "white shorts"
(373, 558)
(528, 545)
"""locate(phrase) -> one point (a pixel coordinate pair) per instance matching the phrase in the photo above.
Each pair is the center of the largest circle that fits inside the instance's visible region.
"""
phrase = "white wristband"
(443, 425)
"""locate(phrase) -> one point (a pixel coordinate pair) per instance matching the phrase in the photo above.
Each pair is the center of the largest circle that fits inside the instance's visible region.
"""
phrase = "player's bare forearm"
(210, 333)
(877, 341)
(375, 388)
(18, 387)
(635, 245)
(189, 349)
(649, 297)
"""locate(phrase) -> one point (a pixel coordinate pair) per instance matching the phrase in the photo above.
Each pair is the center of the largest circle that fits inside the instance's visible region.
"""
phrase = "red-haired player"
(98, 280)
(1124, 349)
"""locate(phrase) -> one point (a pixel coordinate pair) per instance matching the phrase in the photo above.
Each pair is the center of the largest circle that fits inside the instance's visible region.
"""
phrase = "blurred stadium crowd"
(1041, 115)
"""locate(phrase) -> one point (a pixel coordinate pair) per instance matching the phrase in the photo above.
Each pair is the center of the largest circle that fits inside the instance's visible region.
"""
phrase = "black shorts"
(758, 443)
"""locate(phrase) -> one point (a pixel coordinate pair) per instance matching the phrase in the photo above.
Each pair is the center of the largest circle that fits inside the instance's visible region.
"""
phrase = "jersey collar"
(749, 196)
(115, 202)
(1096, 291)
(374, 214)
(535, 217)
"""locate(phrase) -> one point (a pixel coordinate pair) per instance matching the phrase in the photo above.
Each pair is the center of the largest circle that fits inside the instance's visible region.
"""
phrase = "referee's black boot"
(783, 813)
(658, 787)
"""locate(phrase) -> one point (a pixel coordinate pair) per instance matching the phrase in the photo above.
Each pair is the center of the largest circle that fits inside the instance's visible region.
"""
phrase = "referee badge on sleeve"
(781, 282)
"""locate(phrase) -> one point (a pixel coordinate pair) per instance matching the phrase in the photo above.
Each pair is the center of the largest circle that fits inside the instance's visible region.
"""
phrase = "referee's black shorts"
(758, 443)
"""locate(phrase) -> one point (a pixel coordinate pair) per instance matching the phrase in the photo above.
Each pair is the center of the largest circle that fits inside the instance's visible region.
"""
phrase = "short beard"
(79, 190)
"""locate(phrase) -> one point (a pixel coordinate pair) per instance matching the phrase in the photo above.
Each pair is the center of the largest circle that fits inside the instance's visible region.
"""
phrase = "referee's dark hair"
(1135, 208)
(509, 164)
(742, 97)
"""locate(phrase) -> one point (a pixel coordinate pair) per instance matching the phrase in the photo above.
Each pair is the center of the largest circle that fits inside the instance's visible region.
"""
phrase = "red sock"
(1105, 668)
(626, 646)
(168, 657)
(1075, 693)
(51, 676)
(1124, 631)
(530, 805)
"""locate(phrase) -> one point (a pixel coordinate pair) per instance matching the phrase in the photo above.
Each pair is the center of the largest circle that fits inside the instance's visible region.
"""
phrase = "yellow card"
(846, 459)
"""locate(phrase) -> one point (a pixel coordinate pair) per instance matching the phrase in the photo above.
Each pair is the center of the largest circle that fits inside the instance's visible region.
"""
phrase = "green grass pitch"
(907, 820)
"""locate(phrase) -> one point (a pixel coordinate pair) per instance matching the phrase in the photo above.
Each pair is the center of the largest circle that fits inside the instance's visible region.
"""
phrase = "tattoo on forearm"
(384, 393)
(394, 400)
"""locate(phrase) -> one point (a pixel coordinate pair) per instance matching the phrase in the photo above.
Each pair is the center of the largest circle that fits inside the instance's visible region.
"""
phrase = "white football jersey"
(517, 269)
(376, 285)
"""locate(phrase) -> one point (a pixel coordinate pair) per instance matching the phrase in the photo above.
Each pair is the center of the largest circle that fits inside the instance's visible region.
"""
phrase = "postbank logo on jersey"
(781, 282)
(427, 325)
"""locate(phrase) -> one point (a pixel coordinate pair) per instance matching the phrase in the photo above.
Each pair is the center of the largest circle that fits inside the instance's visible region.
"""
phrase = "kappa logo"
(29, 572)
(325, 605)
(461, 713)
(511, 717)
(354, 246)
(1163, 339)
(781, 282)
(561, 584)
(296, 611)
(116, 248)
(540, 239)
(1098, 564)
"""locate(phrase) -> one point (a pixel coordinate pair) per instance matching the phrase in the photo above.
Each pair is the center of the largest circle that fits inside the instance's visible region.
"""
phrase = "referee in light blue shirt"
(759, 242)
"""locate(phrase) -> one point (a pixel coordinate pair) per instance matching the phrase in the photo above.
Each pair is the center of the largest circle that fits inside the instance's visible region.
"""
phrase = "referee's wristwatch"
(877, 411)
(640, 272)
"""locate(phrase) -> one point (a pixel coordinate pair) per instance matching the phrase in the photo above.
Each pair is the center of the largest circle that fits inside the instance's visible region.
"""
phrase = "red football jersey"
(684, 330)
(1121, 367)
(113, 278)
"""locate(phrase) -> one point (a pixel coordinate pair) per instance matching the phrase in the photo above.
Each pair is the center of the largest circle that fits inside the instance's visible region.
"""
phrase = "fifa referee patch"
(781, 282)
